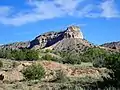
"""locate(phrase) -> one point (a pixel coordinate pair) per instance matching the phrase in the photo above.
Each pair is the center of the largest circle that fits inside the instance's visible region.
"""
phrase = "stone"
(73, 32)
(66, 39)
(112, 45)
(11, 76)
(70, 39)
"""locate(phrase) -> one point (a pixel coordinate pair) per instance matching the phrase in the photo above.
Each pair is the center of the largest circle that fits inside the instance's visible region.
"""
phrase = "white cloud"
(5, 10)
(68, 6)
(106, 9)
(109, 9)
(42, 10)
(85, 11)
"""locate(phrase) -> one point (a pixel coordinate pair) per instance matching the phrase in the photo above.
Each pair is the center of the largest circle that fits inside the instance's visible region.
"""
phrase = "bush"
(94, 54)
(71, 59)
(33, 72)
(18, 55)
(99, 62)
(113, 62)
(15, 64)
(1, 64)
(50, 57)
(61, 77)
(5, 53)
(47, 57)
(48, 51)
(32, 55)
(23, 54)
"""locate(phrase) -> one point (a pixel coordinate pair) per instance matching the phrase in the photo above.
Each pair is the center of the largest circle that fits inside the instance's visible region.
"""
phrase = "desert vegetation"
(23, 54)
(33, 72)
(93, 60)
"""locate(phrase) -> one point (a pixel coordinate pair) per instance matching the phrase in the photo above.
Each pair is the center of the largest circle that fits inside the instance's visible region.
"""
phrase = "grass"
(87, 64)
(71, 84)
(82, 65)
(7, 64)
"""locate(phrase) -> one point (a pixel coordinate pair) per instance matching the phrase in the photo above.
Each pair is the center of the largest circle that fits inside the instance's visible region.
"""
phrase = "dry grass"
(80, 74)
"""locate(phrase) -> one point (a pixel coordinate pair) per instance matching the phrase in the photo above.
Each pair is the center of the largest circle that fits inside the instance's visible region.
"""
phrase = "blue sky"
(23, 20)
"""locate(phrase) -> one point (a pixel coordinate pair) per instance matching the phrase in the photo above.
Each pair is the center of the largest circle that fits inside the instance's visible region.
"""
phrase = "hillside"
(112, 45)
(15, 45)
(62, 60)
(57, 77)
(70, 39)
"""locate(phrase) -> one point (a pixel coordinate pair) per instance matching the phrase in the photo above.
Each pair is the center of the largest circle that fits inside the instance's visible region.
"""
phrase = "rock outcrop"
(67, 40)
(71, 71)
(46, 40)
(70, 39)
(112, 45)
(73, 32)
(11, 76)
(16, 45)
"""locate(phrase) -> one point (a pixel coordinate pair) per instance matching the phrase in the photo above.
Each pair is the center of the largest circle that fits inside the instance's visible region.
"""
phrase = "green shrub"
(15, 64)
(1, 64)
(18, 55)
(34, 72)
(23, 54)
(47, 57)
(93, 54)
(71, 59)
(113, 62)
(32, 55)
(48, 51)
(99, 62)
(61, 77)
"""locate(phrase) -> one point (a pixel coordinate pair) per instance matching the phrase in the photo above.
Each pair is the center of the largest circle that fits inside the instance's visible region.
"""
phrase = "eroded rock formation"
(69, 39)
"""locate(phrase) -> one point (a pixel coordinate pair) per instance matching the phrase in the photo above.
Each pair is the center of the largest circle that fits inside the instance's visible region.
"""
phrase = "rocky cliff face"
(70, 39)
(16, 45)
(67, 40)
(112, 45)
(73, 32)
(46, 40)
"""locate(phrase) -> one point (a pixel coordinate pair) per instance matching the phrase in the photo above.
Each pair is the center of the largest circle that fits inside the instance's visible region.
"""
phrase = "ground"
(57, 77)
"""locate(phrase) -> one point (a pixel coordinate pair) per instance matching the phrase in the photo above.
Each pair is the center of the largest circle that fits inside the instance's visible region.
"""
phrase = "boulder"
(11, 76)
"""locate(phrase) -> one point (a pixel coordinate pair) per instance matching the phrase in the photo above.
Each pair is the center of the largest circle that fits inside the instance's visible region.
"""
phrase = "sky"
(23, 20)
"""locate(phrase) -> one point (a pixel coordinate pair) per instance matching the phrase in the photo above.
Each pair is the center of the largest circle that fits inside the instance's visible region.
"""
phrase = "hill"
(15, 45)
(112, 45)
(70, 39)
(42, 64)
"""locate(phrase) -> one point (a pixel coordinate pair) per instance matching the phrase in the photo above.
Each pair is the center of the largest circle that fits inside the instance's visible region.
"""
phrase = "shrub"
(23, 54)
(18, 55)
(113, 62)
(1, 64)
(93, 54)
(49, 57)
(48, 51)
(71, 59)
(15, 64)
(61, 77)
(32, 55)
(33, 72)
(99, 62)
